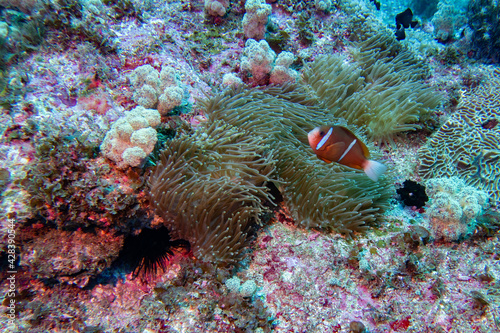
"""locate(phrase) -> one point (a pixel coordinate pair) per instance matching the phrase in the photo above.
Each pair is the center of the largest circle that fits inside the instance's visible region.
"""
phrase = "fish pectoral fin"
(333, 151)
(324, 160)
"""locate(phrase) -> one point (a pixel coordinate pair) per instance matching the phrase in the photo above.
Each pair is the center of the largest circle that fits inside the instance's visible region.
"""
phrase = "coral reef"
(70, 190)
(79, 20)
(274, 239)
(467, 144)
(484, 20)
(454, 207)
(20, 35)
(305, 27)
(71, 257)
(369, 280)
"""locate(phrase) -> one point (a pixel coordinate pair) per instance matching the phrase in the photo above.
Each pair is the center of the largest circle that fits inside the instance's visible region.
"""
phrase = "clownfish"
(338, 144)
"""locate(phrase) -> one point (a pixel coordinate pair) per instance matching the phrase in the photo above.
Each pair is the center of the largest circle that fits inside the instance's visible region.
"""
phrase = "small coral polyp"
(454, 207)
(216, 7)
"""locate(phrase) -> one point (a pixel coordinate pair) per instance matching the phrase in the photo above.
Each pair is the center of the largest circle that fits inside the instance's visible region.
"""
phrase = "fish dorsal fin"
(334, 151)
(366, 152)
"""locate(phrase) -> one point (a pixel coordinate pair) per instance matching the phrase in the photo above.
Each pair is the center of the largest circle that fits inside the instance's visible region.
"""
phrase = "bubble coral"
(255, 18)
(258, 59)
(156, 90)
(216, 7)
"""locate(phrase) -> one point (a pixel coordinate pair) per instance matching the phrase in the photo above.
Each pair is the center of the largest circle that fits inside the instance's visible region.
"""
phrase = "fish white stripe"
(325, 138)
(347, 150)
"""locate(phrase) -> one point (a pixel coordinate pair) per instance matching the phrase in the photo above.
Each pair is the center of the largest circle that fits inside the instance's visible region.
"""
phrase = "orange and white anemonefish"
(338, 144)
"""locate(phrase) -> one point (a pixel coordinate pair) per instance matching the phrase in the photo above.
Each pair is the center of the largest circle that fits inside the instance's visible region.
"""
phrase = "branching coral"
(467, 145)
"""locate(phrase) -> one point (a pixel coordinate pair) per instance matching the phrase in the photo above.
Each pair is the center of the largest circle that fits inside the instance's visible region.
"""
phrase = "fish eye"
(321, 133)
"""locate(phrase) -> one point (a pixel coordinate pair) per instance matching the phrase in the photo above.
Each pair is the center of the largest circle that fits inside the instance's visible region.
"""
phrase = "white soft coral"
(132, 137)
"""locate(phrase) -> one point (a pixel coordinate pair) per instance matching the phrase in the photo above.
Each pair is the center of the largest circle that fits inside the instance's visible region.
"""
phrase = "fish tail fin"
(374, 169)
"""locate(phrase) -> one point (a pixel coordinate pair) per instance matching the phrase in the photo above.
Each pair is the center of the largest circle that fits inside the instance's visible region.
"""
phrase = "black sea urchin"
(150, 251)
(412, 194)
